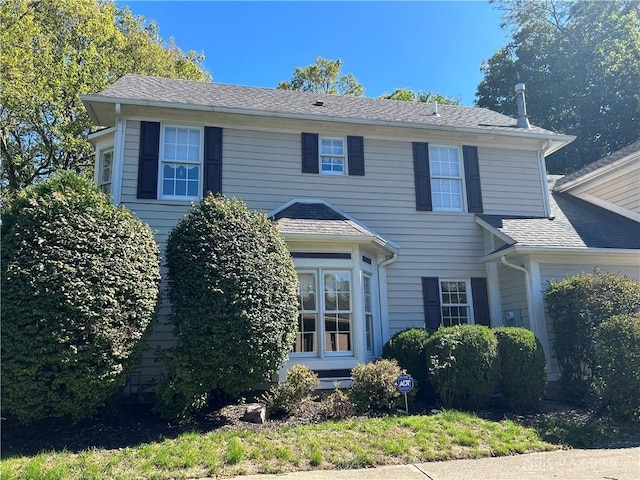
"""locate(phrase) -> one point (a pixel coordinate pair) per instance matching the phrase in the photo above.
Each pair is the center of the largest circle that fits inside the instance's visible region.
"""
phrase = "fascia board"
(494, 231)
(516, 250)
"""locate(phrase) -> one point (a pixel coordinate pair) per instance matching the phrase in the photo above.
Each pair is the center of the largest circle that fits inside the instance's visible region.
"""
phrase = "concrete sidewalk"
(604, 464)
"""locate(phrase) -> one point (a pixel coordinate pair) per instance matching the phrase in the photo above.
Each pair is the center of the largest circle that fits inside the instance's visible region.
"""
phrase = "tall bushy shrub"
(522, 366)
(408, 348)
(233, 291)
(79, 291)
(298, 386)
(464, 366)
(374, 386)
(577, 305)
(617, 372)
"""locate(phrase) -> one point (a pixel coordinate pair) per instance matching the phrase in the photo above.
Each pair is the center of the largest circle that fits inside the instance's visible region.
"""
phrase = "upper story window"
(180, 162)
(446, 178)
(105, 172)
(332, 156)
(455, 302)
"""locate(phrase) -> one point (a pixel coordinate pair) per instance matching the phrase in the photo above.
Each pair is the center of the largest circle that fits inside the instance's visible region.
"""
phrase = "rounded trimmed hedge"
(233, 290)
(523, 368)
(408, 349)
(79, 291)
(464, 366)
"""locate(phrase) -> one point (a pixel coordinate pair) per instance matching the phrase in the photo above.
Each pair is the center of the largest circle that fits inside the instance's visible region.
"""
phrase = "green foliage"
(336, 406)
(408, 348)
(464, 366)
(577, 305)
(298, 386)
(374, 386)
(79, 291)
(522, 364)
(52, 52)
(617, 371)
(232, 287)
(580, 61)
(323, 77)
(406, 95)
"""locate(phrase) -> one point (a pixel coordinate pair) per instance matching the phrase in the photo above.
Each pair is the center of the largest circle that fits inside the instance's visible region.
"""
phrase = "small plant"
(522, 364)
(298, 386)
(336, 406)
(374, 387)
(464, 365)
(617, 374)
(408, 348)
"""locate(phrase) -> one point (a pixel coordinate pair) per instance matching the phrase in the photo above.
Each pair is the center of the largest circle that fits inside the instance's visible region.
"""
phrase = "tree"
(233, 292)
(79, 291)
(581, 64)
(323, 77)
(52, 52)
(407, 95)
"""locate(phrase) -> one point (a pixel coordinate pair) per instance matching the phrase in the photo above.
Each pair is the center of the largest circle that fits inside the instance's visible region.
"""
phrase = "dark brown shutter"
(480, 295)
(355, 152)
(422, 176)
(148, 160)
(212, 160)
(310, 162)
(472, 178)
(431, 300)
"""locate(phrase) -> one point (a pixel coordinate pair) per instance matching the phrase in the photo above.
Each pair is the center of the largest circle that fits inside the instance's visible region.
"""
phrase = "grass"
(353, 443)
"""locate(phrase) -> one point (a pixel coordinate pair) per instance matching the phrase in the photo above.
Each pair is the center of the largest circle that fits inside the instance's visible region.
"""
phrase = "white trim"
(598, 176)
(93, 137)
(383, 293)
(583, 251)
(494, 231)
(493, 283)
(625, 212)
(463, 193)
(468, 305)
(343, 156)
(162, 161)
(542, 168)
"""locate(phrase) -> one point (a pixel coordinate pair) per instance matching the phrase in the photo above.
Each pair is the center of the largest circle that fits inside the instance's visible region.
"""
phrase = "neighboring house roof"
(153, 91)
(602, 163)
(574, 223)
(319, 219)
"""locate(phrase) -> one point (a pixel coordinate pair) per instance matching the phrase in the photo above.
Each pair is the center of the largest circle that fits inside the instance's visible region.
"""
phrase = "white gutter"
(540, 331)
(516, 249)
(118, 154)
(382, 294)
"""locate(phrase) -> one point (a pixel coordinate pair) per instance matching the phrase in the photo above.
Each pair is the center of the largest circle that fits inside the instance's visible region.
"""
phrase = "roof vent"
(435, 110)
(319, 103)
(523, 120)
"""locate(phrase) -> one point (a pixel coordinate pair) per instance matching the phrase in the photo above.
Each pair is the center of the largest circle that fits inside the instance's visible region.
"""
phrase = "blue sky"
(433, 46)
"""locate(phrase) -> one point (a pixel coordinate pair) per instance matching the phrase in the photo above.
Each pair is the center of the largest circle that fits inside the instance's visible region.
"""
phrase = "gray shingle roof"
(602, 162)
(137, 88)
(317, 218)
(574, 223)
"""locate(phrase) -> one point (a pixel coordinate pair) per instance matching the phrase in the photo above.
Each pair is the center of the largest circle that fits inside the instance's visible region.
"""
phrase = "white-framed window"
(455, 302)
(105, 172)
(325, 321)
(368, 311)
(446, 178)
(332, 156)
(180, 162)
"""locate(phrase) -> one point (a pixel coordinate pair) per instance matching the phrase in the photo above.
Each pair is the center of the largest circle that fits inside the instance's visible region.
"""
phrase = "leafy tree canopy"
(323, 77)
(580, 61)
(422, 96)
(52, 52)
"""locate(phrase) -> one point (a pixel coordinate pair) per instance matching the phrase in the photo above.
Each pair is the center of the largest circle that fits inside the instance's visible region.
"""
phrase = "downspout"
(118, 154)
(382, 298)
(533, 320)
(543, 178)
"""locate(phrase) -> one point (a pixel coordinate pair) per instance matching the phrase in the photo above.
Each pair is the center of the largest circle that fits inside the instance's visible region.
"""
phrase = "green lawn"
(355, 443)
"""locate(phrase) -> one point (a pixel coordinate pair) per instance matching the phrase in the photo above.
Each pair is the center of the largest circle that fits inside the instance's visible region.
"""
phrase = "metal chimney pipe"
(523, 120)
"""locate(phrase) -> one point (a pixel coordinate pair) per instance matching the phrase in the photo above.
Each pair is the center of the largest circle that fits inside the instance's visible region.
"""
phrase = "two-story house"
(397, 214)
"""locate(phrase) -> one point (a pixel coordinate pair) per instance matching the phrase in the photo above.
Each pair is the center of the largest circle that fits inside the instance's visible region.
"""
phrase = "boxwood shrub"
(464, 366)
(233, 290)
(522, 367)
(408, 349)
(79, 290)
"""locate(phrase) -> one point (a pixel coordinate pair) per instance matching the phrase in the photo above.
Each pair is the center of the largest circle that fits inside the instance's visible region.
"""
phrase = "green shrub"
(79, 291)
(336, 406)
(298, 386)
(577, 305)
(617, 372)
(464, 366)
(374, 386)
(522, 366)
(233, 291)
(408, 348)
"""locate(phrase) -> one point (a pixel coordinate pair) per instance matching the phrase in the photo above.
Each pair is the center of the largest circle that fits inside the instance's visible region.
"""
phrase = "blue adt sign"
(404, 383)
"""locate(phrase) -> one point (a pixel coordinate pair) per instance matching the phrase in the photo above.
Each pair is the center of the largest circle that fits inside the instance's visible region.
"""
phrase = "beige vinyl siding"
(511, 182)
(621, 191)
(264, 169)
(513, 292)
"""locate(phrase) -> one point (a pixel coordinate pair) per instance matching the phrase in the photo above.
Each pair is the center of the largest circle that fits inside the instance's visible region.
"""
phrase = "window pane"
(338, 332)
(307, 291)
(182, 152)
(181, 172)
(169, 171)
(183, 136)
(167, 187)
(181, 188)
(193, 173)
(192, 189)
(194, 137)
(169, 135)
(306, 337)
